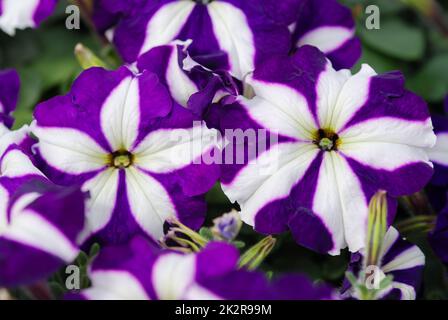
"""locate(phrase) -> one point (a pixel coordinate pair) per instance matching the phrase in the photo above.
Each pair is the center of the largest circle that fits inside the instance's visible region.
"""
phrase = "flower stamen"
(121, 159)
(326, 140)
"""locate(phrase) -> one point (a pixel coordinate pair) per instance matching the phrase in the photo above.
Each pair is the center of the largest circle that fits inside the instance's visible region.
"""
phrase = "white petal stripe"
(70, 150)
(181, 87)
(114, 285)
(234, 36)
(412, 257)
(103, 190)
(383, 155)
(340, 99)
(17, 15)
(407, 291)
(150, 203)
(281, 108)
(389, 239)
(166, 24)
(33, 230)
(16, 164)
(172, 274)
(327, 39)
(439, 153)
(270, 177)
(341, 203)
(120, 115)
(391, 130)
(164, 151)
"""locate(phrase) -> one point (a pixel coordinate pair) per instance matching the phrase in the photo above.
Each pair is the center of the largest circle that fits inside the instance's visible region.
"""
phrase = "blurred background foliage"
(413, 38)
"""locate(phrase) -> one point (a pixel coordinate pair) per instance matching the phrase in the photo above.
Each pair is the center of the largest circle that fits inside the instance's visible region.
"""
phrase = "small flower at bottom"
(227, 226)
(398, 275)
(138, 271)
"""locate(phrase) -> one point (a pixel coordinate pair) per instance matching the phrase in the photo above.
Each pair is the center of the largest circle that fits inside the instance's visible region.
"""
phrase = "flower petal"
(167, 62)
(150, 203)
(103, 190)
(327, 38)
(340, 95)
(166, 24)
(270, 177)
(439, 153)
(340, 202)
(281, 108)
(172, 274)
(384, 155)
(23, 14)
(70, 150)
(120, 115)
(114, 285)
(164, 151)
(234, 37)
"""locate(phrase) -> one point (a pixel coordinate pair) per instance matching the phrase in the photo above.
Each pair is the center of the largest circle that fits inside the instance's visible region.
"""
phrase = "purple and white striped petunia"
(21, 14)
(231, 35)
(139, 154)
(39, 221)
(138, 271)
(9, 93)
(341, 138)
(329, 26)
(190, 84)
(400, 259)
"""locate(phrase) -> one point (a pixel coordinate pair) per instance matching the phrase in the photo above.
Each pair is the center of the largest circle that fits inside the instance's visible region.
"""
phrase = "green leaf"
(379, 62)
(396, 39)
(82, 259)
(94, 250)
(206, 233)
(56, 289)
(87, 58)
(239, 244)
(431, 82)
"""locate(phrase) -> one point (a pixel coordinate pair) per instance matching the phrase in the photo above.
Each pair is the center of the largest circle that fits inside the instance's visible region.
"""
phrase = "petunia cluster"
(251, 96)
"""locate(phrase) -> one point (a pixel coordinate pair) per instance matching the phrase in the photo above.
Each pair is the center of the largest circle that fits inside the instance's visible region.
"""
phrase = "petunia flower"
(39, 221)
(231, 35)
(329, 26)
(138, 153)
(341, 138)
(9, 94)
(191, 85)
(21, 14)
(138, 271)
(400, 260)
(227, 226)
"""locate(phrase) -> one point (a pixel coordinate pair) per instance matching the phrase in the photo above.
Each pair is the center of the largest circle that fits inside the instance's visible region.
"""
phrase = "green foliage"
(396, 39)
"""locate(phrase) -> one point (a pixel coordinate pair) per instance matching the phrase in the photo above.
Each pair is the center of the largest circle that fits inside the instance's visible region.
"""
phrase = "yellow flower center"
(121, 159)
(326, 140)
